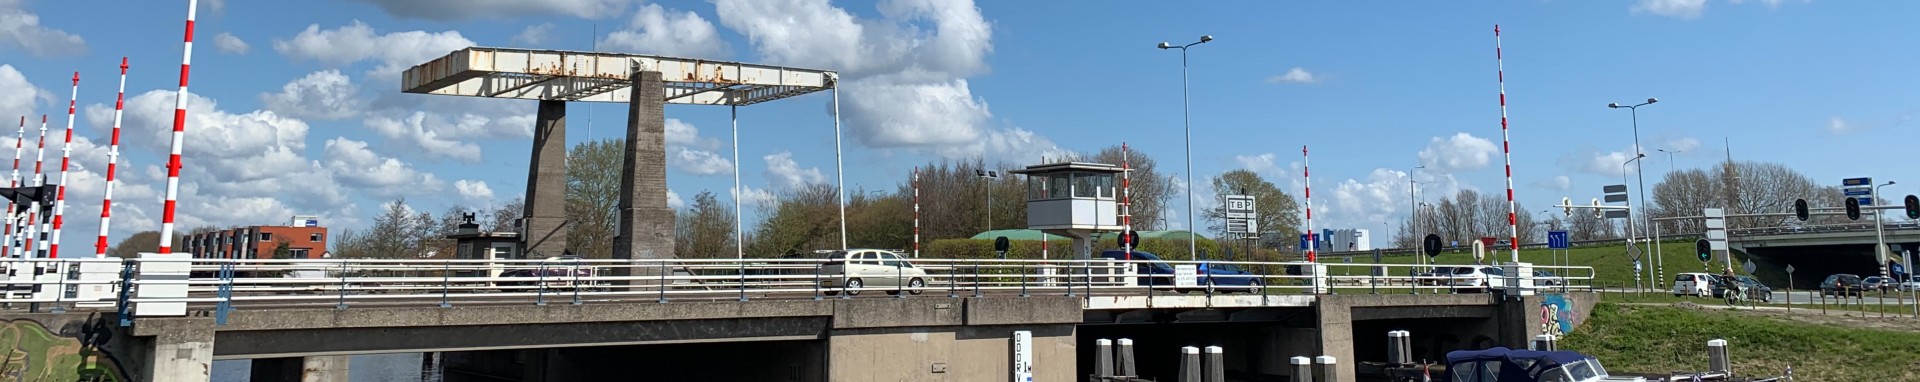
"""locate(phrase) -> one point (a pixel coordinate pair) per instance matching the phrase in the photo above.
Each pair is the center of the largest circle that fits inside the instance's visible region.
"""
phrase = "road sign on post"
(1240, 214)
(1558, 240)
(1431, 245)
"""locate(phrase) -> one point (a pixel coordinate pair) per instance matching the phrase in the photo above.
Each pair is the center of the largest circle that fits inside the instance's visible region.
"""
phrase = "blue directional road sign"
(1863, 191)
(1896, 269)
(1857, 182)
(1557, 240)
(1865, 201)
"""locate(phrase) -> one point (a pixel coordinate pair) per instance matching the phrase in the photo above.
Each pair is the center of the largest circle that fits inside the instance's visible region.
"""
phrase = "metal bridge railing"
(229, 284)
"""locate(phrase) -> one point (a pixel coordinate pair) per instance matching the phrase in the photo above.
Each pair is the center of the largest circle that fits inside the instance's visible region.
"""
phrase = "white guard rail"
(263, 283)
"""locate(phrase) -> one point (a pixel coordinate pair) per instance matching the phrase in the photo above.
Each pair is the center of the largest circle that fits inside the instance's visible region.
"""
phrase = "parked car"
(1222, 277)
(854, 269)
(1876, 283)
(1479, 277)
(1693, 284)
(1438, 276)
(1755, 290)
(1908, 286)
(1545, 278)
(1841, 284)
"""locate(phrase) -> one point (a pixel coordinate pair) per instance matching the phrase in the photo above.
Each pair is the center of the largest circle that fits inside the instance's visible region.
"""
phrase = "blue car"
(1213, 276)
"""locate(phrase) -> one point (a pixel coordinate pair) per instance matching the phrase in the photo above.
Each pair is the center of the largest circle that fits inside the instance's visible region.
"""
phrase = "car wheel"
(1254, 286)
(915, 285)
(831, 292)
(1210, 286)
(853, 287)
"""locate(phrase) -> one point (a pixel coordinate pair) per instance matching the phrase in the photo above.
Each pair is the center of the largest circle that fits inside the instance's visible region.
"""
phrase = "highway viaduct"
(926, 338)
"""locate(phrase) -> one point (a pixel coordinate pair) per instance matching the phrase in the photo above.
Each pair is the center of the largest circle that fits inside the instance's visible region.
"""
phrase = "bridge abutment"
(545, 208)
(646, 222)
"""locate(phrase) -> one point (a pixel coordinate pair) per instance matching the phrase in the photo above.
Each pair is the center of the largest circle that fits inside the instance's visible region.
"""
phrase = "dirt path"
(1853, 319)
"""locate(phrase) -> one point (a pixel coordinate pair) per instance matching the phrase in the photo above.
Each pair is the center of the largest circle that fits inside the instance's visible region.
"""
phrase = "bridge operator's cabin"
(1074, 199)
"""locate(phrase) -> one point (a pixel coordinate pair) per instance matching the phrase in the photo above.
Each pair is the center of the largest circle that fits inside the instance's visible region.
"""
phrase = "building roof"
(1068, 166)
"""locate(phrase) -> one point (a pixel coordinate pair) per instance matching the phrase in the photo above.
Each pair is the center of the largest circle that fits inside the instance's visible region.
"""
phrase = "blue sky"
(299, 110)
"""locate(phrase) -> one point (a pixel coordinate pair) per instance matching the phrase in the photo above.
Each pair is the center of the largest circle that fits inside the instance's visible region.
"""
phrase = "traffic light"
(1567, 203)
(1800, 209)
(1704, 248)
(1913, 207)
(1597, 212)
(1853, 208)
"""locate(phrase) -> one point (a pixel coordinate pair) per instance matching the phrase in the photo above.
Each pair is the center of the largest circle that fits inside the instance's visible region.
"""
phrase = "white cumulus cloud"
(1294, 76)
(659, 31)
(455, 10)
(534, 34)
(323, 95)
(784, 172)
(228, 43)
(21, 29)
(21, 97)
(1681, 9)
(1461, 151)
(357, 42)
(476, 191)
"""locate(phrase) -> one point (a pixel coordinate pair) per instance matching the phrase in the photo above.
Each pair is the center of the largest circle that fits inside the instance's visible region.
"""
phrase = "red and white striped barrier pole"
(66, 153)
(179, 136)
(19, 136)
(33, 213)
(1306, 175)
(1126, 202)
(1506, 149)
(113, 159)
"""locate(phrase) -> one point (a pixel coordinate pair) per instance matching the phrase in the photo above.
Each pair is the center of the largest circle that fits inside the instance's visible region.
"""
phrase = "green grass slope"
(1659, 339)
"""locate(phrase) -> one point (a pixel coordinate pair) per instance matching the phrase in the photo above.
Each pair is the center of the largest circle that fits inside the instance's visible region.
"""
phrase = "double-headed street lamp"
(1637, 154)
(1193, 238)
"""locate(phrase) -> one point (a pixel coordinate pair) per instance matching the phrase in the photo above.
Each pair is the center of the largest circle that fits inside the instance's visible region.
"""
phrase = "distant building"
(1345, 239)
(304, 236)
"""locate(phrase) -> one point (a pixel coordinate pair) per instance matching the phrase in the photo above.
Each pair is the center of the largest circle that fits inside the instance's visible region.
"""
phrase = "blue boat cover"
(1504, 365)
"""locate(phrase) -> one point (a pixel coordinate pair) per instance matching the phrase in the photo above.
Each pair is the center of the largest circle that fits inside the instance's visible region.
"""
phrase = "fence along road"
(225, 284)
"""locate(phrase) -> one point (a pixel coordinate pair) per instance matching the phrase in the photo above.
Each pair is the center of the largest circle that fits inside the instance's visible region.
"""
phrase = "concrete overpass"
(1818, 251)
(184, 314)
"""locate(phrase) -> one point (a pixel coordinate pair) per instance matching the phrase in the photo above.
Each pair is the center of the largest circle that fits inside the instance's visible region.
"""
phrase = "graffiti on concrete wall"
(36, 353)
(1556, 314)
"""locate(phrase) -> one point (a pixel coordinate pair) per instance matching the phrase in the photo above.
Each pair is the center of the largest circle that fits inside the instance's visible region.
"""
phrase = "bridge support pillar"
(646, 223)
(1335, 323)
(303, 369)
(182, 355)
(546, 200)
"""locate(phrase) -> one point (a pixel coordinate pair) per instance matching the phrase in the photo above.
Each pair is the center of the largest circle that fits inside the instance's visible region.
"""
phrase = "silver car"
(854, 269)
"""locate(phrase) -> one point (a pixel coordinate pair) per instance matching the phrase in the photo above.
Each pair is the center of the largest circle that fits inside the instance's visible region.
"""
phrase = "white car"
(1693, 284)
(855, 269)
(1477, 276)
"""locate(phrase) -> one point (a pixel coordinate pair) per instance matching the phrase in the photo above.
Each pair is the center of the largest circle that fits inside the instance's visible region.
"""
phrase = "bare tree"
(704, 229)
(1151, 190)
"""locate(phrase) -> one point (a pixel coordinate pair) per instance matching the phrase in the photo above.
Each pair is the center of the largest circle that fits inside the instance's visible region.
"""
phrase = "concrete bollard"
(1124, 362)
(1717, 361)
(1189, 364)
(1325, 369)
(1103, 359)
(1397, 347)
(1302, 369)
(1216, 365)
(1544, 342)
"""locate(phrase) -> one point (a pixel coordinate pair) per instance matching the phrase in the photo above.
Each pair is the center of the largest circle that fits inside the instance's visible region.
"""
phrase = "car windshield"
(1224, 267)
(1584, 370)
(1462, 271)
(837, 256)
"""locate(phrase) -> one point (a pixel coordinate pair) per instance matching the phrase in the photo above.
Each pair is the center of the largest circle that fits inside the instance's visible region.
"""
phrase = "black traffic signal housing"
(1853, 208)
(1704, 248)
(1913, 207)
(1800, 209)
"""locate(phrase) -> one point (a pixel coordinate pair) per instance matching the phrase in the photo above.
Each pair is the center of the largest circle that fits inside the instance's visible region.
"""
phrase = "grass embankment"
(1660, 339)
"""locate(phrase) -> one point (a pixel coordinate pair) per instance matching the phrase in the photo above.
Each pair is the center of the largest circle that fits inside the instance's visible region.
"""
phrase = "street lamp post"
(990, 176)
(1193, 238)
(1659, 257)
(1634, 110)
(1413, 216)
(1880, 233)
(1630, 232)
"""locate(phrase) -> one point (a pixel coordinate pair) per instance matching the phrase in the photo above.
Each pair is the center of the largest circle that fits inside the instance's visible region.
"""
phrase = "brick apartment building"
(304, 237)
